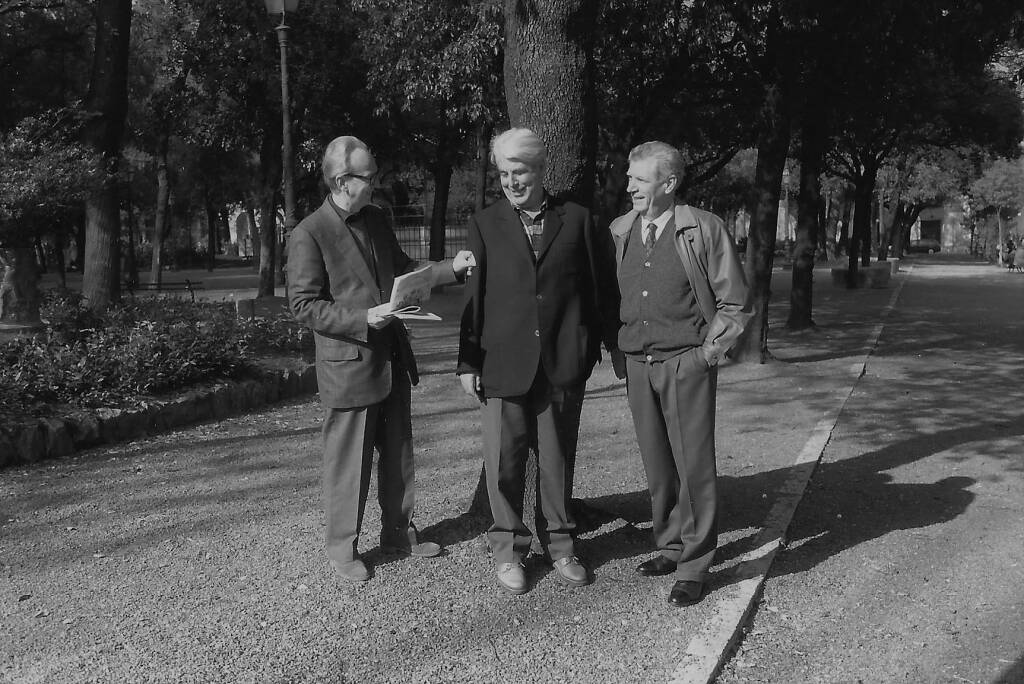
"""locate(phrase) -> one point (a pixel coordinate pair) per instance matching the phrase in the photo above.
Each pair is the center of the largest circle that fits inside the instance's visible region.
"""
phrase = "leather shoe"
(656, 567)
(571, 571)
(419, 550)
(352, 571)
(686, 593)
(512, 577)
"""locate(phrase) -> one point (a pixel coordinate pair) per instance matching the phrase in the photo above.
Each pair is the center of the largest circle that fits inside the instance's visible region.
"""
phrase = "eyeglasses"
(366, 179)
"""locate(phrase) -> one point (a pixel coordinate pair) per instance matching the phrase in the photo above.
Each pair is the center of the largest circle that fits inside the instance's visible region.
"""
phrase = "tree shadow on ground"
(1014, 674)
(855, 501)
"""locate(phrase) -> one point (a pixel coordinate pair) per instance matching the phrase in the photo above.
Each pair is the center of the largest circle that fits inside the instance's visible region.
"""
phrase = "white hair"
(521, 145)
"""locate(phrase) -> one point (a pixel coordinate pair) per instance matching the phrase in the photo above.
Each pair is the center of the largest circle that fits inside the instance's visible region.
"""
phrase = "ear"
(671, 184)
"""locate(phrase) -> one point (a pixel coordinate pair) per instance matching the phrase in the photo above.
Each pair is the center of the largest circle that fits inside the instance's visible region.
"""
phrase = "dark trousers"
(673, 406)
(350, 436)
(547, 418)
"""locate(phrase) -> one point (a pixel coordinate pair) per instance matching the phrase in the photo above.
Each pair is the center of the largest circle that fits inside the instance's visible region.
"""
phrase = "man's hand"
(472, 386)
(379, 316)
(463, 263)
(618, 363)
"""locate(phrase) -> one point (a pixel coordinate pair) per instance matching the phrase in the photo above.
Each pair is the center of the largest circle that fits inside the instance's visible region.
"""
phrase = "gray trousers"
(548, 419)
(350, 436)
(673, 407)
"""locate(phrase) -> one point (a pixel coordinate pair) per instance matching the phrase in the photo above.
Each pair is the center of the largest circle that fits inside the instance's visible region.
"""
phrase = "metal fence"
(412, 227)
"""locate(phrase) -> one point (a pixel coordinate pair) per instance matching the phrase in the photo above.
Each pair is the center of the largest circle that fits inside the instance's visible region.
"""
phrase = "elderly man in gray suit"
(342, 262)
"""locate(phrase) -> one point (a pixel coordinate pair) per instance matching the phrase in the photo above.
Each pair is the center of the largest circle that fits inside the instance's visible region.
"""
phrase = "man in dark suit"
(342, 262)
(684, 303)
(536, 313)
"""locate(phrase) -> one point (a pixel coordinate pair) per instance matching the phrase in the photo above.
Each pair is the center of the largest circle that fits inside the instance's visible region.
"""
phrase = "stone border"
(54, 437)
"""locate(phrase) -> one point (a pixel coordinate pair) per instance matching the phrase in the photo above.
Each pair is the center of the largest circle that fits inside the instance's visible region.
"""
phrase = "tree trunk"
(548, 74)
(254, 234)
(1002, 236)
(268, 243)
(58, 257)
(442, 173)
(843, 242)
(40, 253)
(211, 233)
(860, 236)
(812, 162)
(19, 289)
(483, 147)
(270, 181)
(108, 99)
(131, 265)
(773, 143)
(163, 195)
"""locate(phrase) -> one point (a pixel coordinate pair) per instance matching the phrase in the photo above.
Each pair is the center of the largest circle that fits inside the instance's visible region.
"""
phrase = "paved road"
(906, 559)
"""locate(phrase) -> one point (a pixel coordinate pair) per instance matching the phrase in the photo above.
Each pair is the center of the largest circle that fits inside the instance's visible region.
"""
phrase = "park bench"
(186, 285)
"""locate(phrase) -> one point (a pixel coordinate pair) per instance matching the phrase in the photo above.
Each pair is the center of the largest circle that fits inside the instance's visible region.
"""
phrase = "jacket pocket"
(336, 350)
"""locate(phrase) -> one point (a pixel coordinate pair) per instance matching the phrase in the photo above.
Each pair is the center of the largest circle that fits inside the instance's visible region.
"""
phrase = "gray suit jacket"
(330, 287)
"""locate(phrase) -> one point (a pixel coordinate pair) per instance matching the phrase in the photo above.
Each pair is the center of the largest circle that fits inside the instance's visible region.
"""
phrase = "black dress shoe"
(656, 567)
(686, 593)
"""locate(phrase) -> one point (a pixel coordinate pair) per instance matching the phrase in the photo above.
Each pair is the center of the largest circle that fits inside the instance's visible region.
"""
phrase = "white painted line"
(705, 654)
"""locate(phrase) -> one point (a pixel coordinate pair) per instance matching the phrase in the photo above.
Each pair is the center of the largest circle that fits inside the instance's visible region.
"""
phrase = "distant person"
(684, 303)
(342, 262)
(539, 302)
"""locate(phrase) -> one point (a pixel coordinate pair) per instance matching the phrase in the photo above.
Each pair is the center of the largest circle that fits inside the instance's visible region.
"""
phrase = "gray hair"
(521, 145)
(669, 160)
(338, 157)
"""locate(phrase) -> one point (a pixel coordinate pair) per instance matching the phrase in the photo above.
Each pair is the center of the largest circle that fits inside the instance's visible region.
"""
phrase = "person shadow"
(851, 501)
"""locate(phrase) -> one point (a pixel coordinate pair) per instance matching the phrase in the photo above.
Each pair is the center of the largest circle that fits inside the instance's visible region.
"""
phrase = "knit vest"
(659, 310)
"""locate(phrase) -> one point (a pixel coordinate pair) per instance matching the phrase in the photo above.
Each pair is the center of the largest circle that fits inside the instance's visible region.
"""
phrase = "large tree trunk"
(19, 289)
(549, 87)
(254, 234)
(442, 173)
(773, 143)
(160, 223)
(108, 100)
(812, 162)
(843, 242)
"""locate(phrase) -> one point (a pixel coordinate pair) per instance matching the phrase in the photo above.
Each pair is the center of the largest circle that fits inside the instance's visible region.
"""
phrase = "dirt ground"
(196, 556)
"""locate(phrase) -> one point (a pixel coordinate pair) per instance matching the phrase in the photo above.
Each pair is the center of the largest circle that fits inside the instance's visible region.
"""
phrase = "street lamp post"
(274, 8)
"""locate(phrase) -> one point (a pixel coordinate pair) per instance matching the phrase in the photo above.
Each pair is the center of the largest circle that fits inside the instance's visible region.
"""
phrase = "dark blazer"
(330, 287)
(556, 313)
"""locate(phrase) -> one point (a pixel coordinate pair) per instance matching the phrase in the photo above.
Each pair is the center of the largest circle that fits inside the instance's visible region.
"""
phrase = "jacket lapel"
(516, 233)
(344, 245)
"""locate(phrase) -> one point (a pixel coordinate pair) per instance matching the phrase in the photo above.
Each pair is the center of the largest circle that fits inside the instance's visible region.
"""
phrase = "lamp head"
(276, 7)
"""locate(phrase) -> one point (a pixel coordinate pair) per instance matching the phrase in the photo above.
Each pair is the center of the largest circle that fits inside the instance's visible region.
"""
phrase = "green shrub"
(139, 348)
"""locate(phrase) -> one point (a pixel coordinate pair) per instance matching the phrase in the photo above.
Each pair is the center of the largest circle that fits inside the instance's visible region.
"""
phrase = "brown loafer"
(420, 550)
(512, 577)
(571, 571)
(352, 571)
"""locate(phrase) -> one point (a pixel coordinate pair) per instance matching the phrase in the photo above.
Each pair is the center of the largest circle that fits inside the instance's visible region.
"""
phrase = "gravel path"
(197, 555)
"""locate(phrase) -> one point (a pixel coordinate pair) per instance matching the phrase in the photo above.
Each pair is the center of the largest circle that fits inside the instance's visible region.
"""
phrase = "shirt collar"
(533, 214)
(660, 222)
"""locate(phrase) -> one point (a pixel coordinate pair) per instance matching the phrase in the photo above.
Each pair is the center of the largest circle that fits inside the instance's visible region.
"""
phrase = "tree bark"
(812, 162)
(163, 195)
(548, 74)
(442, 173)
(211, 233)
(270, 181)
(131, 266)
(773, 143)
(108, 101)
(254, 234)
(860, 236)
(483, 146)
